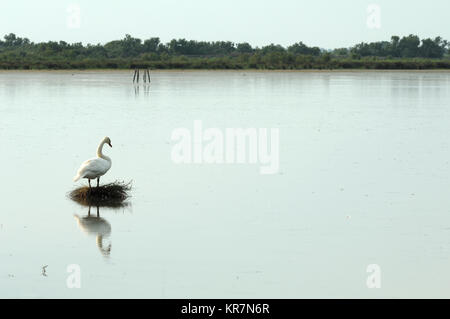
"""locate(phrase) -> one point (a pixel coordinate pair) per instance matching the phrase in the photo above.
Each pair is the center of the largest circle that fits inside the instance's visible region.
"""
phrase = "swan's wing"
(93, 166)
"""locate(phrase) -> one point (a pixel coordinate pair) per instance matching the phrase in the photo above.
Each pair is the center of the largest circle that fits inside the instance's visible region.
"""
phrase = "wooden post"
(148, 74)
(134, 76)
(144, 76)
(137, 75)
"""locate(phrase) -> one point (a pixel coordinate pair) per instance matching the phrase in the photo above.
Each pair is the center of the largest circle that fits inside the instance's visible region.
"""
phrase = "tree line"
(408, 52)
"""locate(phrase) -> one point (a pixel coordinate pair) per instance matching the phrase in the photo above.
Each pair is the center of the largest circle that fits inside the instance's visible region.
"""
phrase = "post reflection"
(146, 88)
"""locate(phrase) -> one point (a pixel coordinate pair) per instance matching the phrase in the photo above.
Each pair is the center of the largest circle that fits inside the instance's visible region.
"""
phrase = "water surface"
(364, 179)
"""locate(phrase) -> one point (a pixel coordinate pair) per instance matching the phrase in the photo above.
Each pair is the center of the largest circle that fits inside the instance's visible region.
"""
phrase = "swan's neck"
(100, 152)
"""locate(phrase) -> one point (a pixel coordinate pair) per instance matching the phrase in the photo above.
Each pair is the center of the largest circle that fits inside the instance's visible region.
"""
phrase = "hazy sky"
(324, 23)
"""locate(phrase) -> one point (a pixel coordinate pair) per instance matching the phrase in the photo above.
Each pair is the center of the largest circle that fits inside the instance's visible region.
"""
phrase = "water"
(363, 179)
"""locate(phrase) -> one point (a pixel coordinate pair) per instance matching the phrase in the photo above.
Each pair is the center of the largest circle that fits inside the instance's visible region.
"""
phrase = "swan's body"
(95, 167)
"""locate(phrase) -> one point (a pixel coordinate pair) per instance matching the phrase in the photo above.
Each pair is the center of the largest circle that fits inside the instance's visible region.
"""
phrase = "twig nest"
(108, 195)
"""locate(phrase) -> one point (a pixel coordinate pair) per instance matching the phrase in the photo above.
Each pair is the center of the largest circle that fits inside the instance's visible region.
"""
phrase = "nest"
(108, 195)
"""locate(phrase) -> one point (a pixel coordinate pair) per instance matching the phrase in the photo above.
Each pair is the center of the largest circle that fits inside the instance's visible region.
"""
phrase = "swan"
(95, 167)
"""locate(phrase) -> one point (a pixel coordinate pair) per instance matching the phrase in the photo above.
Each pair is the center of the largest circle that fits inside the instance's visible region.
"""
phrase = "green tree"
(244, 48)
(151, 45)
(409, 46)
(433, 48)
(394, 47)
(301, 48)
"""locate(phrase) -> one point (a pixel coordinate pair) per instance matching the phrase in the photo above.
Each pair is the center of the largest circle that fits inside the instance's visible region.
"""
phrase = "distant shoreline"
(225, 70)
(213, 64)
(400, 53)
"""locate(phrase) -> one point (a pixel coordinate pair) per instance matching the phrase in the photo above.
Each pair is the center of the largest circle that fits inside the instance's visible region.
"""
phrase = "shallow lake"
(363, 179)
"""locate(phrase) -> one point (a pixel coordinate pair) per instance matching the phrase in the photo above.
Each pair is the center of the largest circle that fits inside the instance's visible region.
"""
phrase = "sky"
(323, 23)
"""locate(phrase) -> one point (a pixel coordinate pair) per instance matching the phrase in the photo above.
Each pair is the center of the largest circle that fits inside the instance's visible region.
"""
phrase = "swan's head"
(107, 140)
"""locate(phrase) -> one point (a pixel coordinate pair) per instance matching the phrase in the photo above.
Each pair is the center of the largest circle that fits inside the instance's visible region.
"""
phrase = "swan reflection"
(96, 226)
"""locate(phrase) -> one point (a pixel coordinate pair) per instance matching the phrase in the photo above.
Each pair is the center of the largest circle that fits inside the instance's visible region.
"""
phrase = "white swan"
(95, 167)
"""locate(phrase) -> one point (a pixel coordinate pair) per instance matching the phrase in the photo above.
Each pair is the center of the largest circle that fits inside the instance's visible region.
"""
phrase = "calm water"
(364, 179)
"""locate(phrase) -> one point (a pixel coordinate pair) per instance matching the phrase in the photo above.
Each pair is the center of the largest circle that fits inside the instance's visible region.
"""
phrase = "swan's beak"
(109, 144)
